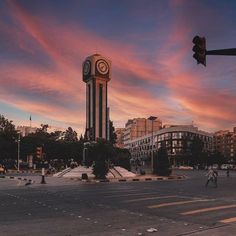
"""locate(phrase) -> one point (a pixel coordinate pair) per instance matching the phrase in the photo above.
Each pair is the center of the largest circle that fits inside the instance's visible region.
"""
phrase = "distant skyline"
(43, 45)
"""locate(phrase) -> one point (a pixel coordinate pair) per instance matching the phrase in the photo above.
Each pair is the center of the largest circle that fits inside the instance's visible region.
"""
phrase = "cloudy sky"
(43, 45)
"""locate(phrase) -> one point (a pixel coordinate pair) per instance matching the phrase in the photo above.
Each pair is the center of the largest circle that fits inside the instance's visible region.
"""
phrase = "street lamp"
(85, 152)
(152, 118)
(18, 153)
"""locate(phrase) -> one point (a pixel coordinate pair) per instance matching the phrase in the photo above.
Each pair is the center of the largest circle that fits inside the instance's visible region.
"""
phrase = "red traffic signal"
(39, 152)
(200, 50)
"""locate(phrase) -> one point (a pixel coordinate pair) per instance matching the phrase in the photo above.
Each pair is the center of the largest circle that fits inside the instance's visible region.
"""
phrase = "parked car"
(227, 166)
(2, 170)
(215, 166)
(185, 168)
(224, 166)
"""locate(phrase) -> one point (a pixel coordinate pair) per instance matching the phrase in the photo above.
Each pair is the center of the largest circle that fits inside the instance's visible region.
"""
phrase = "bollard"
(43, 177)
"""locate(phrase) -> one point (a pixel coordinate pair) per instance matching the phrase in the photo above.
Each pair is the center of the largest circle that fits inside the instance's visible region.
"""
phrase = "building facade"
(96, 75)
(139, 127)
(119, 137)
(225, 143)
(177, 140)
(26, 130)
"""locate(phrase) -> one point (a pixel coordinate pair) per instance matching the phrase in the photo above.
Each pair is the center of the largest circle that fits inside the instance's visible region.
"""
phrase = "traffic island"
(142, 178)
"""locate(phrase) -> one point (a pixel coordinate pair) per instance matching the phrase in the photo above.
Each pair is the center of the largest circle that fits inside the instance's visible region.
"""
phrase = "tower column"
(96, 74)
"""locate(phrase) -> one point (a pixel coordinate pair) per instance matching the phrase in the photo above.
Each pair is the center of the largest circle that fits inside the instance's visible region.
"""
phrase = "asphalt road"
(68, 208)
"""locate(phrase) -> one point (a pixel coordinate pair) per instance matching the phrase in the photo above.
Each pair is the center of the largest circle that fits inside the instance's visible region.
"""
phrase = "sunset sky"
(43, 45)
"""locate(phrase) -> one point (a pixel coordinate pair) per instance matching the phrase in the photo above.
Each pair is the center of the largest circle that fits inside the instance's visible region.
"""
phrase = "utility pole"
(18, 153)
(152, 118)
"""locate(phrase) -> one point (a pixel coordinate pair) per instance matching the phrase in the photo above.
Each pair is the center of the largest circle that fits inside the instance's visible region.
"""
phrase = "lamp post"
(152, 118)
(18, 153)
(85, 152)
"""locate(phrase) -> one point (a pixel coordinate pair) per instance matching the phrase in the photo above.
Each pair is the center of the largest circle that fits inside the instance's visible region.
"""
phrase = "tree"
(185, 153)
(70, 135)
(216, 158)
(7, 129)
(196, 150)
(53, 144)
(43, 129)
(161, 162)
(8, 139)
(112, 134)
(100, 169)
(81, 138)
(100, 154)
(122, 158)
(56, 135)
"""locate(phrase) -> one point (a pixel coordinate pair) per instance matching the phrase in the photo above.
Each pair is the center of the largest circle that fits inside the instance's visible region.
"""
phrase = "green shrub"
(161, 164)
(100, 169)
(122, 158)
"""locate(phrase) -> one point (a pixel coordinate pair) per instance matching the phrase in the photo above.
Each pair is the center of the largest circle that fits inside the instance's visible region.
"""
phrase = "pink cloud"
(68, 51)
(54, 113)
(194, 89)
(68, 45)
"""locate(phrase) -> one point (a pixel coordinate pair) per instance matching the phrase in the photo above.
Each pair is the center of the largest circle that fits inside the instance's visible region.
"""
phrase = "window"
(167, 135)
(174, 143)
(174, 135)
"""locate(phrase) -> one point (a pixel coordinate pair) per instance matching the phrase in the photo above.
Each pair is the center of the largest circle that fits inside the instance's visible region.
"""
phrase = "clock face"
(102, 67)
(86, 68)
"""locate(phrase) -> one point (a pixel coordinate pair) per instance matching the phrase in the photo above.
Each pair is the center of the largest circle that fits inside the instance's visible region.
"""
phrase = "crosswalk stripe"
(208, 209)
(176, 203)
(129, 194)
(120, 191)
(107, 192)
(100, 192)
(229, 220)
(149, 198)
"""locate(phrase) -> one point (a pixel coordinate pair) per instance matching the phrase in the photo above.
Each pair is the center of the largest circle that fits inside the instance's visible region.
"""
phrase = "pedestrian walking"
(227, 172)
(211, 177)
(215, 177)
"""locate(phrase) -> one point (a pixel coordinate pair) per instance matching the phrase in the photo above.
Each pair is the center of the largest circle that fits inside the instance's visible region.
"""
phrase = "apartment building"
(225, 143)
(177, 139)
(139, 127)
(120, 137)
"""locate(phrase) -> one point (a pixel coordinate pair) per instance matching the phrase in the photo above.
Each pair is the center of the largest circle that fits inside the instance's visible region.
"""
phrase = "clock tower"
(96, 74)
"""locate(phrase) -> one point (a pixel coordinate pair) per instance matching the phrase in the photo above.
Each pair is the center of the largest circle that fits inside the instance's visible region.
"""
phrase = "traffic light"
(39, 152)
(200, 50)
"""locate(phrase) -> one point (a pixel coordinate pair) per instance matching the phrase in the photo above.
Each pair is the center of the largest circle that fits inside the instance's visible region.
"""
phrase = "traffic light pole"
(200, 51)
(222, 52)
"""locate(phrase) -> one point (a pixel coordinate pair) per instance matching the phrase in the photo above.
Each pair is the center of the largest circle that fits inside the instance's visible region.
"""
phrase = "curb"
(122, 180)
(24, 171)
(134, 179)
(30, 181)
(147, 179)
